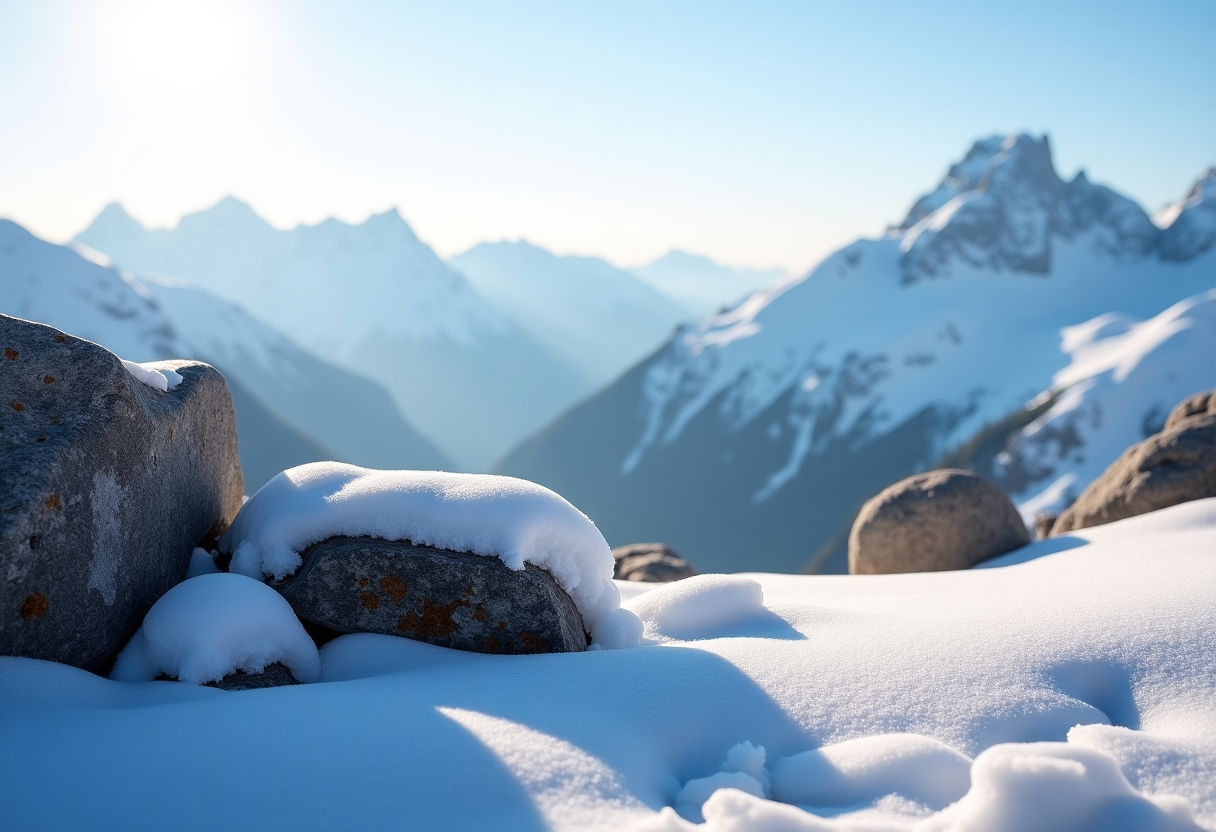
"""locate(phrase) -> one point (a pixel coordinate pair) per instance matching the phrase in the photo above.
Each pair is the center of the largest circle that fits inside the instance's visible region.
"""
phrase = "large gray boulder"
(939, 520)
(452, 599)
(651, 562)
(106, 487)
(1174, 466)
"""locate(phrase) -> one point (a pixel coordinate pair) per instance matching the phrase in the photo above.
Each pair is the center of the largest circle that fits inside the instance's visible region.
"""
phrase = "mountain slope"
(1123, 379)
(282, 395)
(604, 319)
(374, 299)
(699, 284)
(763, 429)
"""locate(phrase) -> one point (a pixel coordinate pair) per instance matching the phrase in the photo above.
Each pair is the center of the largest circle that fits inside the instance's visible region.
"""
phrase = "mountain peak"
(1190, 224)
(1003, 207)
(113, 220)
(990, 160)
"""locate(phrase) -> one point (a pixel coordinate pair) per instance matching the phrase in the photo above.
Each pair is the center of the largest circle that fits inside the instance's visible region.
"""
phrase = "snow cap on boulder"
(512, 519)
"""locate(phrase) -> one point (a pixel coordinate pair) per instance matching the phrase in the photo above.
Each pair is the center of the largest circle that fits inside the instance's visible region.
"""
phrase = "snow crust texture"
(215, 624)
(512, 519)
(1069, 686)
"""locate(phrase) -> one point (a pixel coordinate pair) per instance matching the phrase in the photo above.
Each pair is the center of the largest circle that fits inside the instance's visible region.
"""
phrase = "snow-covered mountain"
(763, 429)
(1123, 379)
(602, 318)
(374, 299)
(699, 284)
(291, 407)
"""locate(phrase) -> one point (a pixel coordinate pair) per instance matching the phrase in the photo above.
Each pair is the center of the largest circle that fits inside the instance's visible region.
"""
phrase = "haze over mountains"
(763, 429)
(291, 407)
(476, 367)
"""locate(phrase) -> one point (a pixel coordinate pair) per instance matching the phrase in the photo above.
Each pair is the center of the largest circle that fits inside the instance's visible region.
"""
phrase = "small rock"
(1043, 524)
(653, 562)
(1171, 467)
(106, 486)
(275, 675)
(939, 520)
(1197, 406)
(452, 599)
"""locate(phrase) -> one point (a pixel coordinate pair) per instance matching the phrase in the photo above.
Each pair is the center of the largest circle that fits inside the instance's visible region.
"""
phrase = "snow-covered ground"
(1069, 686)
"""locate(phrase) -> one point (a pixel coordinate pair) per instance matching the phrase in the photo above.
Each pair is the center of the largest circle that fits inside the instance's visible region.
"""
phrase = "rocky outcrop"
(274, 675)
(452, 599)
(1174, 466)
(651, 562)
(106, 486)
(939, 520)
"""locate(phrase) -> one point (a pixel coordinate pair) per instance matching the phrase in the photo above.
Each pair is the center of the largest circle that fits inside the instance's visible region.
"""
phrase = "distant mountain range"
(603, 319)
(476, 367)
(700, 285)
(752, 437)
(291, 407)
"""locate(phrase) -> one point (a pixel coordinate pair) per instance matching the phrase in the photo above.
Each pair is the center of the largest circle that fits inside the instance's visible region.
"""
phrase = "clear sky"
(754, 132)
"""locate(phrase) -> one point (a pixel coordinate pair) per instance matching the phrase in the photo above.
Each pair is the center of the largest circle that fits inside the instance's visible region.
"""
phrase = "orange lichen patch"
(370, 600)
(435, 622)
(17, 406)
(491, 645)
(52, 501)
(48, 379)
(170, 433)
(395, 587)
(468, 590)
(362, 582)
(59, 339)
(10, 353)
(35, 606)
(502, 625)
(41, 439)
(533, 642)
(480, 614)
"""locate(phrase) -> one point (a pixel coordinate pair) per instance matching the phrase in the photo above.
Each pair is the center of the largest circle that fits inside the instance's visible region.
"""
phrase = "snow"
(698, 607)
(162, 380)
(212, 625)
(201, 563)
(515, 520)
(1123, 378)
(853, 350)
(1061, 669)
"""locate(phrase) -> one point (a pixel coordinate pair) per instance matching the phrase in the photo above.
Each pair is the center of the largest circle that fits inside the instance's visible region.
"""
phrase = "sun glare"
(183, 47)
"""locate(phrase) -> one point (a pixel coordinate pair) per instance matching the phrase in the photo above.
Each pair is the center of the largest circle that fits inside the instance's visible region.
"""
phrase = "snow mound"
(515, 520)
(210, 626)
(703, 606)
(743, 770)
(866, 769)
(1050, 786)
(162, 380)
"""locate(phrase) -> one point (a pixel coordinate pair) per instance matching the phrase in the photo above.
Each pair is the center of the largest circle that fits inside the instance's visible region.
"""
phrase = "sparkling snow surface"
(1073, 682)
(516, 520)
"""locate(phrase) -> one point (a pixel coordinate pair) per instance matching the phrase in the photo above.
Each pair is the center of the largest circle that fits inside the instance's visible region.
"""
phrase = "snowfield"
(1071, 685)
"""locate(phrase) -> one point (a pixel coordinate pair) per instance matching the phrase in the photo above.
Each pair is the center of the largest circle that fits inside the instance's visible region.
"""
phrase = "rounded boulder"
(931, 522)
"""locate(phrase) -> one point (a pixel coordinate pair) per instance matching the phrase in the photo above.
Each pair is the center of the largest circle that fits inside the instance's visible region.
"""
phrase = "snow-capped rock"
(763, 429)
(374, 299)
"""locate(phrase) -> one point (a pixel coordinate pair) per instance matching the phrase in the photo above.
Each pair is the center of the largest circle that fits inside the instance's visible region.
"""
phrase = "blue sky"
(760, 133)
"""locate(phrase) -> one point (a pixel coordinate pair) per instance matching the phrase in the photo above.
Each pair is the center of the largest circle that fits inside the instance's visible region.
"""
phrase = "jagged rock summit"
(752, 438)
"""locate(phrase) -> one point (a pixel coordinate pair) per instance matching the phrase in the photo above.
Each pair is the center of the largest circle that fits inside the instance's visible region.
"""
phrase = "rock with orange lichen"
(452, 599)
(110, 475)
